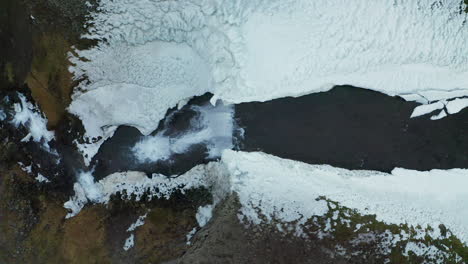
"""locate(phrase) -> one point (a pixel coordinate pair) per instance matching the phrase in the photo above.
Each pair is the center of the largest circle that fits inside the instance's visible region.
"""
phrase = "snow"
(213, 127)
(270, 188)
(135, 86)
(27, 169)
(457, 105)
(204, 214)
(140, 221)
(154, 54)
(90, 149)
(286, 190)
(41, 178)
(419, 249)
(129, 242)
(28, 115)
(131, 182)
(190, 235)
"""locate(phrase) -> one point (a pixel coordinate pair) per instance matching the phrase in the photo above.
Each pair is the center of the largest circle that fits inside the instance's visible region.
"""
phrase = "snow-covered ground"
(154, 54)
(132, 182)
(287, 190)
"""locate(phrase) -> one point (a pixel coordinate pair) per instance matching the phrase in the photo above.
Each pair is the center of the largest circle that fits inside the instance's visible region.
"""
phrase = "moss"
(344, 231)
(49, 80)
(10, 75)
(163, 237)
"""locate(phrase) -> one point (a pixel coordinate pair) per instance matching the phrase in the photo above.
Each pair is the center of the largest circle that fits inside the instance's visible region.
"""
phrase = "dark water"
(116, 155)
(346, 127)
(355, 129)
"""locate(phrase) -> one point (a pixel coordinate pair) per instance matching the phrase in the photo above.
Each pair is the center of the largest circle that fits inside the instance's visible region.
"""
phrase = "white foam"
(204, 214)
(29, 116)
(153, 148)
(213, 127)
(92, 190)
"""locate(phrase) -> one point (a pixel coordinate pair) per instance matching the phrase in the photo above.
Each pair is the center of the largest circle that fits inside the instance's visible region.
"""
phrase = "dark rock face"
(226, 240)
(356, 129)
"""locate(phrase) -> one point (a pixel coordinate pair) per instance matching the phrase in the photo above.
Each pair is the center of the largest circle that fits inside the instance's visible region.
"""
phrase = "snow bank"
(287, 190)
(140, 221)
(154, 54)
(131, 183)
(129, 242)
(269, 188)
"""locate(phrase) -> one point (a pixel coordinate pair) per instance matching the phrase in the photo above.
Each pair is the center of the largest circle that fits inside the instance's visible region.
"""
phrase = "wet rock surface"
(354, 128)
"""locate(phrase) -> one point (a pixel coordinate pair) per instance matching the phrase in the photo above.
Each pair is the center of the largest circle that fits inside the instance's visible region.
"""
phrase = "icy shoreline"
(154, 55)
(287, 190)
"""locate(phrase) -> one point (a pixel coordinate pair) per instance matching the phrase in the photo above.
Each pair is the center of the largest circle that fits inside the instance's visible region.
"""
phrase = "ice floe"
(457, 105)
(426, 109)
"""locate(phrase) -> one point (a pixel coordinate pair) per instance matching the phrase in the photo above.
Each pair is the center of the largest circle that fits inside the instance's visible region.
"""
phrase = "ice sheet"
(154, 54)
